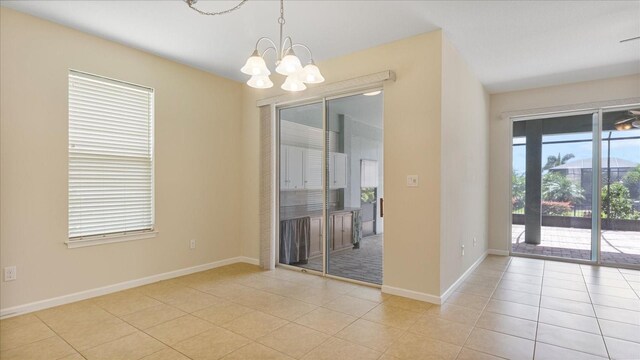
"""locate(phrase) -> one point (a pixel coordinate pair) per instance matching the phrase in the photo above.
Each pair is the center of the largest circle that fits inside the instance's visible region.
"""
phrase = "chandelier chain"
(191, 4)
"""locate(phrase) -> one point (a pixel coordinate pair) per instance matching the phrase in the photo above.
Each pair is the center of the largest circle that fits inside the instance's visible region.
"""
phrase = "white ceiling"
(510, 45)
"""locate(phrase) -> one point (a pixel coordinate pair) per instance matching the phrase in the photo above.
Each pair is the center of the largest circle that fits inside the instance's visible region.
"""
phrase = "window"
(110, 160)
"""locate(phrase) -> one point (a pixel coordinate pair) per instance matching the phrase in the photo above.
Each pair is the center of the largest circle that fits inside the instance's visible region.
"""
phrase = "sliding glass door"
(331, 186)
(576, 187)
(620, 190)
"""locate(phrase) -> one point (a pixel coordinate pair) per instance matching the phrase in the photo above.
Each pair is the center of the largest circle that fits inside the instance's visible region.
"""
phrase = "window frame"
(107, 238)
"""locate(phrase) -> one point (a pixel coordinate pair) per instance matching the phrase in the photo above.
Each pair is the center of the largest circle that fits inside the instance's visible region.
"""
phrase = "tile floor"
(512, 308)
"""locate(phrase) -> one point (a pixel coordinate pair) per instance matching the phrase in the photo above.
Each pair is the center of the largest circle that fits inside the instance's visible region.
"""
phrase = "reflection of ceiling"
(364, 109)
(360, 108)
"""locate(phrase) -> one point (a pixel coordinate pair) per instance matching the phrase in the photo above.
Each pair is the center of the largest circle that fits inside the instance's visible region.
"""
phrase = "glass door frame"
(596, 201)
(325, 173)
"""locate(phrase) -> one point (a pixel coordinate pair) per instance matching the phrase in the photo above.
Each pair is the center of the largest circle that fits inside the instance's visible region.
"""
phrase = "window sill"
(101, 240)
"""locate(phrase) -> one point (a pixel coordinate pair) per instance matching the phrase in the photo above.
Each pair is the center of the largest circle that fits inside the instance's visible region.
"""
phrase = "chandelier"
(287, 62)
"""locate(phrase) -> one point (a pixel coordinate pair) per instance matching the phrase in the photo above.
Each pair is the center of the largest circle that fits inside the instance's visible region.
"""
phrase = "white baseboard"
(498, 252)
(86, 294)
(416, 295)
(434, 299)
(445, 295)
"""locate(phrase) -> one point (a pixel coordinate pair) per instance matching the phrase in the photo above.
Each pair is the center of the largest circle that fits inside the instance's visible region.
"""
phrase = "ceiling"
(509, 45)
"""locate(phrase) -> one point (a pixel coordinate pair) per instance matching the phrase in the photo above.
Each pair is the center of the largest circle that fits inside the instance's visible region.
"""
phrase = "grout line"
(535, 338)
(56, 334)
(606, 348)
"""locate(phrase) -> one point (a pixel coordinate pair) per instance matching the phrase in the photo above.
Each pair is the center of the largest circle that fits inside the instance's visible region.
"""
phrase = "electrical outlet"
(462, 246)
(475, 241)
(192, 244)
(10, 273)
(412, 180)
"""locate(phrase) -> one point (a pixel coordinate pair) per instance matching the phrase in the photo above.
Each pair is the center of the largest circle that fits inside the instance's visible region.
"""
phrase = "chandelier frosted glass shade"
(289, 65)
(310, 74)
(260, 82)
(293, 83)
(255, 66)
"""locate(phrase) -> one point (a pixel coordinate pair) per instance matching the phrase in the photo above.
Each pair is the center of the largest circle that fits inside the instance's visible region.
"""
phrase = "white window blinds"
(110, 157)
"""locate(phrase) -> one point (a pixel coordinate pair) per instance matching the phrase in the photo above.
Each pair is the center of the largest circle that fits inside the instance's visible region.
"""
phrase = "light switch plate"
(412, 180)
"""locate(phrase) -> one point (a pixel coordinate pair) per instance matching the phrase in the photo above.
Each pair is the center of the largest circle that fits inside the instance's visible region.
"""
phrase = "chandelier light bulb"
(255, 66)
(293, 83)
(260, 82)
(290, 64)
(311, 74)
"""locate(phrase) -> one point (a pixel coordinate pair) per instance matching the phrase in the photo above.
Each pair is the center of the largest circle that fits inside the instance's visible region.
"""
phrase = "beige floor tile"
(613, 291)
(620, 349)
(468, 300)
(256, 351)
(369, 293)
(370, 334)
(350, 305)
(335, 348)
(212, 344)
(513, 309)
(616, 314)
(166, 354)
(568, 320)
(47, 349)
(571, 339)
(408, 304)
(455, 313)
(476, 290)
(520, 286)
(570, 306)
(326, 321)
(13, 336)
(71, 316)
(479, 279)
(469, 354)
(176, 330)
(287, 339)
(153, 316)
(188, 300)
(414, 346)
(566, 294)
(98, 333)
(132, 346)
(562, 276)
(516, 296)
(565, 284)
(591, 280)
(18, 321)
(508, 325)
(618, 330)
(125, 302)
(614, 301)
(441, 329)
(289, 309)
(525, 279)
(498, 344)
(392, 316)
(551, 352)
(315, 295)
(255, 324)
(223, 312)
(257, 299)
(75, 356)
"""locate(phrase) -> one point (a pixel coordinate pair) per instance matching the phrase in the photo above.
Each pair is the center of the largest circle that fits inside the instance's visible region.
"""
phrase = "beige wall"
(578, 93)
(197, 162)
(412, 146)
(464, 168)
